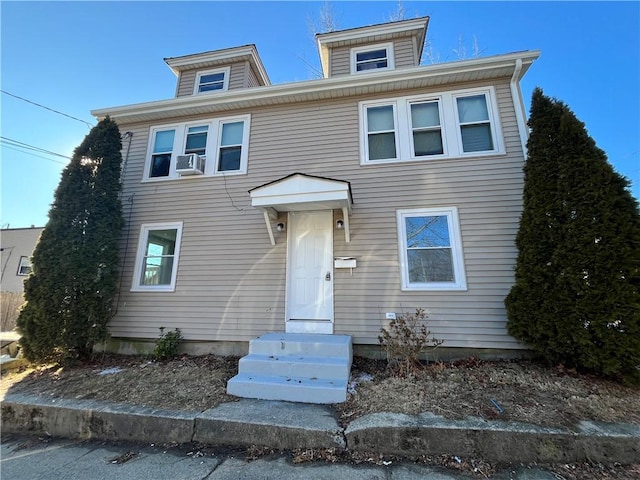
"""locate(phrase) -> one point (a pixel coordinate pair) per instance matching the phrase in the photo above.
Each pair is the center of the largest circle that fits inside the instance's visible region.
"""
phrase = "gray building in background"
(16, 245)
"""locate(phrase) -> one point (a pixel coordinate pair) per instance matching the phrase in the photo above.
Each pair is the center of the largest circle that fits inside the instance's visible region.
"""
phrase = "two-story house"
(324, 206)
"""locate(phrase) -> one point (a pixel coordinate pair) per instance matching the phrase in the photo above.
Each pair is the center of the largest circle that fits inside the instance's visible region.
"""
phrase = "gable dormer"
(386, 46)
(218, 71)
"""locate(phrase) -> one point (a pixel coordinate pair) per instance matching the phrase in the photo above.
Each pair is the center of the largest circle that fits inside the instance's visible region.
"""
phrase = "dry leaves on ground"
(519, 390)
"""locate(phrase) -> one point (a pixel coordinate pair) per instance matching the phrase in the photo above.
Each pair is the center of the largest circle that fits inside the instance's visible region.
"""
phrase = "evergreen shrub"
(70, 292)
(576, 299)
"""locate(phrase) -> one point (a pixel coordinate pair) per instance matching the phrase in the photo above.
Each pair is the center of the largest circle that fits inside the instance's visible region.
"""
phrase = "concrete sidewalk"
(35, 459)
(284, 425)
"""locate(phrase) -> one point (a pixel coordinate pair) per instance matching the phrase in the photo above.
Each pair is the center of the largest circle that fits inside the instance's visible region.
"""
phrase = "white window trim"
(212, 167)
(225, 84)
(449, 125)
(368, 48)
(177, 140)
(214, 136)
(451, 213)
(365, 127)
(23, 262)
(443, 133)
(491, 107)
(136, 286)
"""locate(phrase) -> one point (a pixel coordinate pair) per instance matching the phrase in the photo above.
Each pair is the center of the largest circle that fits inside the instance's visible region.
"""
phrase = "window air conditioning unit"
(192, 164)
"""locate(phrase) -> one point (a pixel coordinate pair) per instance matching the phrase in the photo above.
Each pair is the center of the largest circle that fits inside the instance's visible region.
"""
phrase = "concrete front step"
(309, 368)
(296, 365)
(292, 389)
(316, 345)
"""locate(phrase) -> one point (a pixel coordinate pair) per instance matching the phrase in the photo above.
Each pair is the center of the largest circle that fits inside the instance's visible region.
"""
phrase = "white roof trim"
(299, 192)
(370, 33)
(217, 57)
(358, 33)
(313, 90)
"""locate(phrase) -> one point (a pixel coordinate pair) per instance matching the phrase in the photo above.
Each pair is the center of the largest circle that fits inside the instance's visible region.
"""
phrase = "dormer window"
(372, 57)
(212, 80)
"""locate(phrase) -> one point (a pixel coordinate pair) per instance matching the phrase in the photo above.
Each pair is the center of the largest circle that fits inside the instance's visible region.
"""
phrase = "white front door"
(310, 272)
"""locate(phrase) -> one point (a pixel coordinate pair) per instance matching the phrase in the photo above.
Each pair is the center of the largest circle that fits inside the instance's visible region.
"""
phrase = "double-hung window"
(223, 142)
(421, 127)
(230, 147)
(381, 132)
(430, 249)
(157, 259)
(24, 266)
(212, 80)
(426, 131)
(475, 124)
(160, 165)
(372, 57)
(196, 140)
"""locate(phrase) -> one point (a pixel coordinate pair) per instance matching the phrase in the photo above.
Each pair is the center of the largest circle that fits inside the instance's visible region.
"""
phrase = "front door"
(310, 272)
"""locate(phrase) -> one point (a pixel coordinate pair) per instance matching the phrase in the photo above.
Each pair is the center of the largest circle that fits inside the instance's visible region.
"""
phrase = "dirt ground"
(516, 390)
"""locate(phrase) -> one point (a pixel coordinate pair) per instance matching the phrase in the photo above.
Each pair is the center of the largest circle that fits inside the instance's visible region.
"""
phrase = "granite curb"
(284, 425)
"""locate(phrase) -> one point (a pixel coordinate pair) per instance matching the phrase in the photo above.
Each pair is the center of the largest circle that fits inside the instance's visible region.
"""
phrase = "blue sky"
(77, 56)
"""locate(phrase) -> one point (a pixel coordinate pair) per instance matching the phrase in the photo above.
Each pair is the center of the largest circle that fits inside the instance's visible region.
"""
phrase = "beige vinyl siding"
(404, 56)
(231, 280)
(238, 75)
(252, 78)
(237, 79)
(405, 53)
(340, 61)
(186, 83)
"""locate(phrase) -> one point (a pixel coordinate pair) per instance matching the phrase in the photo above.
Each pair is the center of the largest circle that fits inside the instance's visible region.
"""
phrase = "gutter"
(311, 90)
(518, 105)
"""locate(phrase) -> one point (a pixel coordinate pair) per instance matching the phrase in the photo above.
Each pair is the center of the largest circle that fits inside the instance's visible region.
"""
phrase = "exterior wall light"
(280, 227)
(340, 224)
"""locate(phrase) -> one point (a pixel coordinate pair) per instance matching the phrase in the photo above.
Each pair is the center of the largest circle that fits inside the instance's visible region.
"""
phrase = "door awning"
(298, 193)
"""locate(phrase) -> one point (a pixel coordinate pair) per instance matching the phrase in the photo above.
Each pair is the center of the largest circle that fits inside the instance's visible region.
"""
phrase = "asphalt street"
(33, 458)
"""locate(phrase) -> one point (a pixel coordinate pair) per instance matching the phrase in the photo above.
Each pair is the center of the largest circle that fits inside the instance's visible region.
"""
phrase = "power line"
(46, 108)
(26, 146)
(34, 155)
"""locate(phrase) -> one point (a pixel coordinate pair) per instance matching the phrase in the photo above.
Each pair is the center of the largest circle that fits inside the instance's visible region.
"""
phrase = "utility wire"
(46, 108)
(26, 146)
(34, 155)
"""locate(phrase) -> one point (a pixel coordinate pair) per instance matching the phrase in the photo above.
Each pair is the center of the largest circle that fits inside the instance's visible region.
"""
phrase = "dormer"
(381, 47)
(218, 71)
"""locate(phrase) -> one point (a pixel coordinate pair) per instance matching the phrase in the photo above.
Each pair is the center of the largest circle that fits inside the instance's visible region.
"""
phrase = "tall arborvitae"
(69, 294)
(576, 300)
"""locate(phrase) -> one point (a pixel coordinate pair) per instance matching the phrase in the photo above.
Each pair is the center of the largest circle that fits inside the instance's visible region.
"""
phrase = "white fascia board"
(372, 30)
(326, 40)
(340, 199)
(311, 89)
(299, 183)
(177, 64)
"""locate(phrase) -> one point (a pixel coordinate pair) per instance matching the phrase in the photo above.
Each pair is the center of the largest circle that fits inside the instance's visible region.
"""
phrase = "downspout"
(518, 105)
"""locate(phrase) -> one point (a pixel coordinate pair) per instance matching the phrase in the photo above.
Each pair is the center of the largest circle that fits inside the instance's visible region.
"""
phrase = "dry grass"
(523, 390)
(520, 391)
(189, 383)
